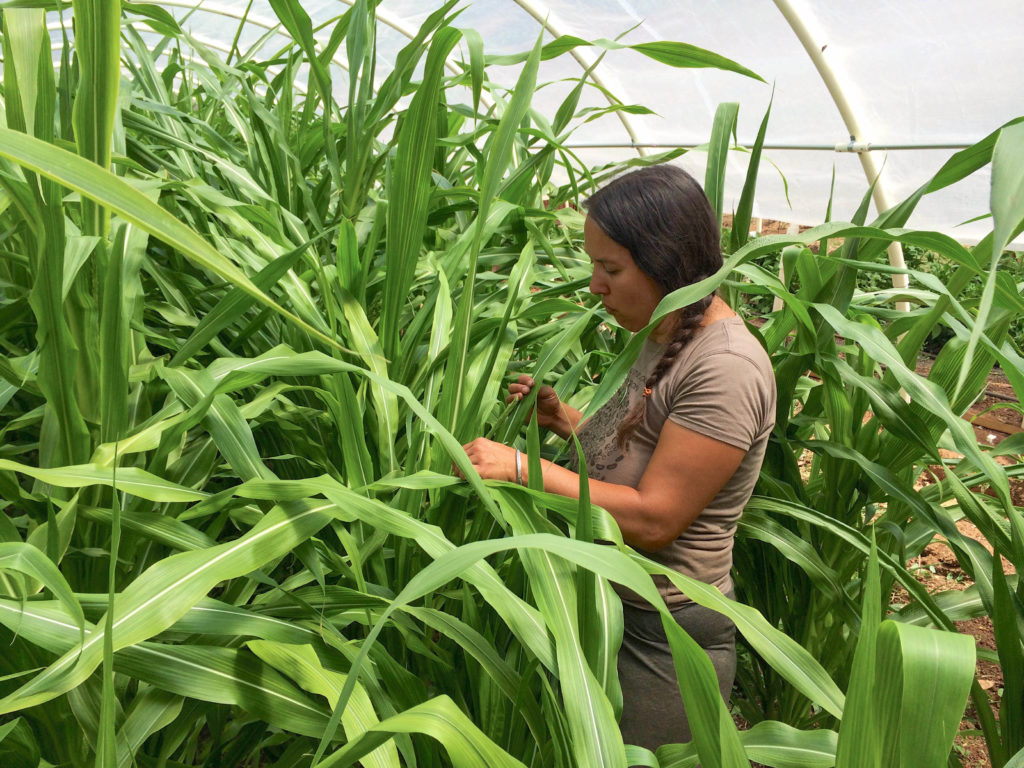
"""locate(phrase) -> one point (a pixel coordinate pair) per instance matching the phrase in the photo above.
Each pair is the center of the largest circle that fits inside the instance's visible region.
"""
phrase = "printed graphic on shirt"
(598, 435)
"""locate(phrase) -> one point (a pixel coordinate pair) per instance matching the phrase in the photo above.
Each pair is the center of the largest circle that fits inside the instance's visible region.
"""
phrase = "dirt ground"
(938, 570)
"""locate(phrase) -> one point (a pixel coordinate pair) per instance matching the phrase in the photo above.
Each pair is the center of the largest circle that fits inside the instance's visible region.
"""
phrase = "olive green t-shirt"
(720, 385)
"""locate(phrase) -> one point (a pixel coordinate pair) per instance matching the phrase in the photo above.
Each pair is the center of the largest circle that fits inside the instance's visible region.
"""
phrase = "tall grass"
(245, 331)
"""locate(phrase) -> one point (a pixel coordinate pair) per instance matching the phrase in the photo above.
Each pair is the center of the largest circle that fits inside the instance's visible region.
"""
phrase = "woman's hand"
(552, 413)
(493, 461)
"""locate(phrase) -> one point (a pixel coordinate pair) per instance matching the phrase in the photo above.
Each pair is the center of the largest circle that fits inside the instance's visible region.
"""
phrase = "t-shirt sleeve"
(725, 397)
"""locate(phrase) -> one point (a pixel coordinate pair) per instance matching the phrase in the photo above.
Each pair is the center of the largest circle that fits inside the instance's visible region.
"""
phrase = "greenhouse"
(538, 383)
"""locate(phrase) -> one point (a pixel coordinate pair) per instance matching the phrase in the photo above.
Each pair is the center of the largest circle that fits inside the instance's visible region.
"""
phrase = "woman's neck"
(717, 310)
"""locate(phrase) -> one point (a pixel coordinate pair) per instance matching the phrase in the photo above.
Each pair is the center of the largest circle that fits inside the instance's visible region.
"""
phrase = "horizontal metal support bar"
(857, 147)
(867, 146)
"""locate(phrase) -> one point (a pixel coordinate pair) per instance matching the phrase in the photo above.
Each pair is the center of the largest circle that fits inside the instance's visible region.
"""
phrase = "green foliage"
(243, 331)
(876, 285)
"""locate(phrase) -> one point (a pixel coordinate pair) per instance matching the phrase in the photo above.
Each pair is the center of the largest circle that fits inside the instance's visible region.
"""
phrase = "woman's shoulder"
(724, 385)
(725, 363)
(728, 336)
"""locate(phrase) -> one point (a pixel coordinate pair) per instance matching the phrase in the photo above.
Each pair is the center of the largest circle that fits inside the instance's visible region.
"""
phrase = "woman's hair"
(663, 218)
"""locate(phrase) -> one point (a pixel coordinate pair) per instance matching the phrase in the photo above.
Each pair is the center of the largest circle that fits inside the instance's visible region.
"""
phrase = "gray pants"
(652, 710)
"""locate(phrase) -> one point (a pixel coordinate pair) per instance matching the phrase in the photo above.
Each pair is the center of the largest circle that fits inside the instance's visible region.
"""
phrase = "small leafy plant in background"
(760, 305)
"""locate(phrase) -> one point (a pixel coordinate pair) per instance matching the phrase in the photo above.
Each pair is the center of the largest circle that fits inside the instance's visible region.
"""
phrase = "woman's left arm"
(686, 471)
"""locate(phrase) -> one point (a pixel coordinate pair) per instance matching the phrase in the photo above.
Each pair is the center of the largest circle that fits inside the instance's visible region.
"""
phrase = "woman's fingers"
(523, 384)
(519, 389)
(548, 405)
(493, 461)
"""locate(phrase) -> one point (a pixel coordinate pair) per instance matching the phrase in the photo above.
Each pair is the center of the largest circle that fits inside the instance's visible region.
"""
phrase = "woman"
(674, 457)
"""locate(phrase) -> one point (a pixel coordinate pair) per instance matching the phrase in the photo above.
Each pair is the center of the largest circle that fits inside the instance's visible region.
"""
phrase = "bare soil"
(938, 570)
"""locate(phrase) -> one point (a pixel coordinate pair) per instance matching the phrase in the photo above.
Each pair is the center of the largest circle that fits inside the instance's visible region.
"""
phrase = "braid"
(688, 320)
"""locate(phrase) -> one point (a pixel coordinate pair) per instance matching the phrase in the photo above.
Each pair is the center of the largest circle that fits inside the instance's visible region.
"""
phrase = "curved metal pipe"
(586, 62)
(867, 160)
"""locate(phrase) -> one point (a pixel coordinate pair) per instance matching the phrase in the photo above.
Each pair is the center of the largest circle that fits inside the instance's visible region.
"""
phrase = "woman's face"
(628, 294)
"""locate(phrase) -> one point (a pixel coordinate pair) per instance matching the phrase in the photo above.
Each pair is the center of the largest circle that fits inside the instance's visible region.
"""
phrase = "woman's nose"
(597, 285)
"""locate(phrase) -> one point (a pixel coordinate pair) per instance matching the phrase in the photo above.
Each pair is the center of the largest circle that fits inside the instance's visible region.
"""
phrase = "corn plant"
(852, 401)
(245, 330)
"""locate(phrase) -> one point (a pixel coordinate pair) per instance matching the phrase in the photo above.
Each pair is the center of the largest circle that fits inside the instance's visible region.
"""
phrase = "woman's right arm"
(552, 413)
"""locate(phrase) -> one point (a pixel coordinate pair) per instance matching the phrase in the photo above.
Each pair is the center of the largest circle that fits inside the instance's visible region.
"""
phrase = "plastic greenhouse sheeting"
(922, 80)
